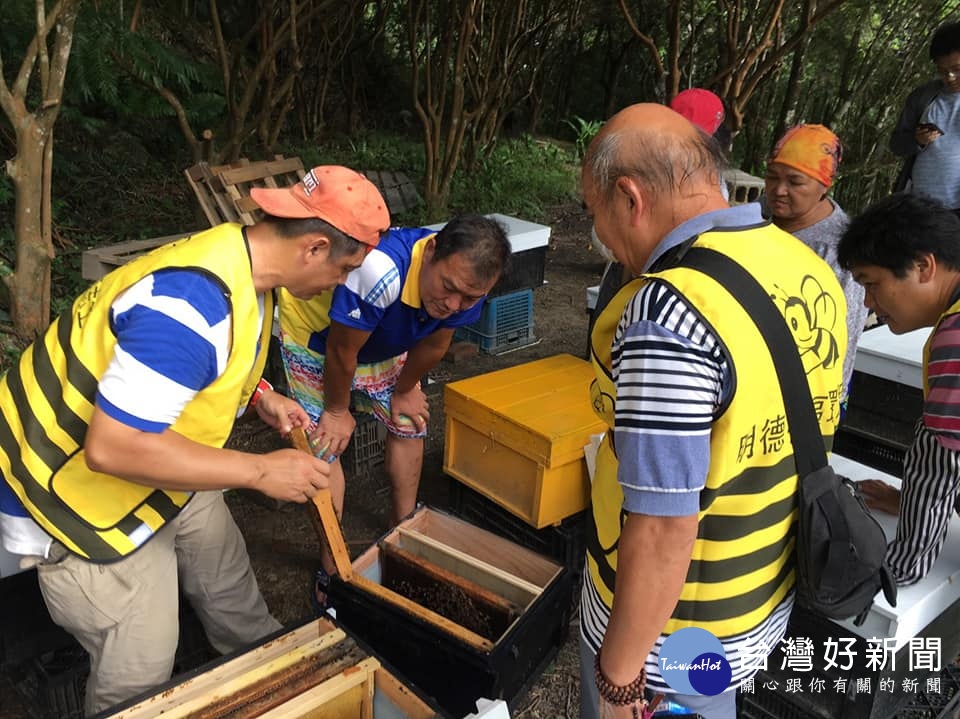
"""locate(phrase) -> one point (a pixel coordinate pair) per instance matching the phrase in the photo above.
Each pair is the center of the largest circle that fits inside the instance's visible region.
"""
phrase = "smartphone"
(929, 126)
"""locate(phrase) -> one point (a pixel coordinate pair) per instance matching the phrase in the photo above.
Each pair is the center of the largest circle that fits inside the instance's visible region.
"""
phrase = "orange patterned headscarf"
(811, 149)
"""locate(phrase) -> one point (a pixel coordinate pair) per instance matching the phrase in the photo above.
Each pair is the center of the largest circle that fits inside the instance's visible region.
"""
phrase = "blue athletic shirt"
(382, 297)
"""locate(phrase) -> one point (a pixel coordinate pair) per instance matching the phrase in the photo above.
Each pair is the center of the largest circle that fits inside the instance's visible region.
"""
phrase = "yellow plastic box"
(517, 436)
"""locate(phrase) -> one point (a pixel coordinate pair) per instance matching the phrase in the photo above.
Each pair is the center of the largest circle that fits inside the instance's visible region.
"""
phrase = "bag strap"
(808, 448)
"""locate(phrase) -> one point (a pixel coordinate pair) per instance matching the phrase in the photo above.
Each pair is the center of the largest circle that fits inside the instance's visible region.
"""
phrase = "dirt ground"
(281, 540)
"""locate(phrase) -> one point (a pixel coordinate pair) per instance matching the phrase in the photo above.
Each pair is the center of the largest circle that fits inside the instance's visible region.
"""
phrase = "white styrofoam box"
(490, 709)
(917, 605)
(898, 358)
(523, 235)
(592, 294)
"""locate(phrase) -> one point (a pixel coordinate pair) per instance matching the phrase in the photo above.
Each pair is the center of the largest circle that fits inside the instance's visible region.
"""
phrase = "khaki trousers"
(125, 614)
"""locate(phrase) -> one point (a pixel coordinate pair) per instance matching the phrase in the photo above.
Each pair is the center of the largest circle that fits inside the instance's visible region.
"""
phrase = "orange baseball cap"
(338, 195)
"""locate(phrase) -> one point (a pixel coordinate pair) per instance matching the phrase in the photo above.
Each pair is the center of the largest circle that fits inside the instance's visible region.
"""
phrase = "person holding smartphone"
(927, 134)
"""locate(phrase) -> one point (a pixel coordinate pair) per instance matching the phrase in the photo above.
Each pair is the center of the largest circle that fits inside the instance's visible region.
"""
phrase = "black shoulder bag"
(840, 547)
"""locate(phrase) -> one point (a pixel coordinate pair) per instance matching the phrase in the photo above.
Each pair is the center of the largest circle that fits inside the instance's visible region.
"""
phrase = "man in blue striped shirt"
(113, 423)
(693, 497)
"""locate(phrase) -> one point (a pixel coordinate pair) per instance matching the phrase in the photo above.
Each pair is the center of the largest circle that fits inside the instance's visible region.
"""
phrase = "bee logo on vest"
(811, 316)
(692, 661)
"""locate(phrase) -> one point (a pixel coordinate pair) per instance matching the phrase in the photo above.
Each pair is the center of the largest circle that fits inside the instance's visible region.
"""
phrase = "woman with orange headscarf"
(800, 171)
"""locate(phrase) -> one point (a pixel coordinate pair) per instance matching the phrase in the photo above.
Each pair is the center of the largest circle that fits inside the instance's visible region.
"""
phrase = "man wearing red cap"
(367, 344)
(701, 107)
(113, 423)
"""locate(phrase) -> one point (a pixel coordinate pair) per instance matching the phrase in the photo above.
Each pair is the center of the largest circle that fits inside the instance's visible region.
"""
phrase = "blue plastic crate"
(507, 312)
(501, 342)
(506, 323)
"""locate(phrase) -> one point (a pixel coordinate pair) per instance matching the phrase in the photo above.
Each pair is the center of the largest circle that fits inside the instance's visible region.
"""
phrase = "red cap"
(338, 195)
(701, 107)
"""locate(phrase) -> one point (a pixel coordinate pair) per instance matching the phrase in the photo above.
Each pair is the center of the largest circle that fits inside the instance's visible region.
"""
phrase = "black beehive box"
(516, 616)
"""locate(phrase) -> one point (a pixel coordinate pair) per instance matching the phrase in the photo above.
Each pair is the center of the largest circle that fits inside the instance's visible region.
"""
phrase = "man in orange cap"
(112, 429)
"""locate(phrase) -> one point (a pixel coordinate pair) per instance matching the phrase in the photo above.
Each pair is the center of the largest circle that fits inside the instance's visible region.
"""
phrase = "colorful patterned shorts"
(371, 390)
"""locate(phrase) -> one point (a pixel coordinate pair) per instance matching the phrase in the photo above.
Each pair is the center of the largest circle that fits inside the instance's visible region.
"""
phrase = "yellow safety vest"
(299, 319)
(47, 401)
(742, 562)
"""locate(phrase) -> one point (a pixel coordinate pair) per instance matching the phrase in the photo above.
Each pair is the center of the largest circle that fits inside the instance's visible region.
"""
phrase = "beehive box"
(517, 436)
(316, 670)
(461, 612)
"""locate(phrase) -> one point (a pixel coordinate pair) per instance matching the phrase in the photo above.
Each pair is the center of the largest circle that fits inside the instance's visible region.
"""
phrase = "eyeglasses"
(949, 73)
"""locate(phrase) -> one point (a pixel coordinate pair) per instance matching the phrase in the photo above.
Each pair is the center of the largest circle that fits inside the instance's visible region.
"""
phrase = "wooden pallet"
(98, 261)
(223, 191)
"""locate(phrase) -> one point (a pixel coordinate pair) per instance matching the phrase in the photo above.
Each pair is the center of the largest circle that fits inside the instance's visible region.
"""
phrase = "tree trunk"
(788, 110)
(31, 169)
(29, 285)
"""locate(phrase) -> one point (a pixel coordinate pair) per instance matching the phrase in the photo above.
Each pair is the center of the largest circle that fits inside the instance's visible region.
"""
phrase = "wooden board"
(200, 690)
(486, 575)
(327, 515)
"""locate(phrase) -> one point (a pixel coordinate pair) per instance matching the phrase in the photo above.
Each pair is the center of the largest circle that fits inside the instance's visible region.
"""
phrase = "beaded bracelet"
(619, 695)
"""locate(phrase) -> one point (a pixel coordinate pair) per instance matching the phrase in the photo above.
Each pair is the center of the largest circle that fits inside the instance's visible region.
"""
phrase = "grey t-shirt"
(823, 238)
(936, 171)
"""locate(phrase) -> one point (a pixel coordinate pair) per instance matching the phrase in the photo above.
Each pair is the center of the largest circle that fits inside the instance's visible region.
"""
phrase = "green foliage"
(585, 131)
(371, 151)
(6, 189)
(112, 71)
(521, 177)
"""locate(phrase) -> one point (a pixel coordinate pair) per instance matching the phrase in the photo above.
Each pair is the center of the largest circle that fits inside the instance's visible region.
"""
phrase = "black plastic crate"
(886, 409)
(53, 684)
(366, 447)
(525, 271)
(870, 450)
(942, 705)
(447, 670)
(564, 542)
(33, 633)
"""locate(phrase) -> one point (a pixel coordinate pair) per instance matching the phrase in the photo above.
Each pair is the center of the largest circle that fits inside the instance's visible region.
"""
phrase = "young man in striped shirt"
(112, 428)
(905, 251)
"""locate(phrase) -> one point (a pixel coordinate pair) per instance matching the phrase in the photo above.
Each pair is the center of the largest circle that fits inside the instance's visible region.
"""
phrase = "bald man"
(692, 514)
